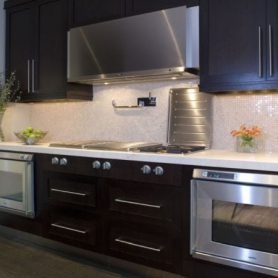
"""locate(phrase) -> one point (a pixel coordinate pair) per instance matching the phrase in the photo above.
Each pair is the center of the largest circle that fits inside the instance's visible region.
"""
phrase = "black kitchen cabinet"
(238, 40)
(20, 41)
(84, 12)
(144, 6)
(37, 51)
(90, 11)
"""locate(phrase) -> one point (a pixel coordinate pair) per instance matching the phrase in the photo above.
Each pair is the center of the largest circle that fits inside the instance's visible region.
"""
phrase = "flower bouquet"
(247, 138)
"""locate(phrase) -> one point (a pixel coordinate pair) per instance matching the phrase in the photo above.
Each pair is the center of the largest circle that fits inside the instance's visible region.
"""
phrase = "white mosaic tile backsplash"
(98, 119)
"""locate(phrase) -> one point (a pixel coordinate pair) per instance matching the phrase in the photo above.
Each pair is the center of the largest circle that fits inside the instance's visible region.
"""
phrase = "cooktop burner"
(128, 146)
(172, 149)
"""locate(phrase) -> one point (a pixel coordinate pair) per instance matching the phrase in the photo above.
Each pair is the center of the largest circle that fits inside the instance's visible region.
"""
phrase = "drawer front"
(148, 200)
(154, 246)
(72, 192)
(76, 229)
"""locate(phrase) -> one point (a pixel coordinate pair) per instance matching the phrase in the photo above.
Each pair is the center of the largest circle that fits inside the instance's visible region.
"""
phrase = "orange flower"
(247, 132)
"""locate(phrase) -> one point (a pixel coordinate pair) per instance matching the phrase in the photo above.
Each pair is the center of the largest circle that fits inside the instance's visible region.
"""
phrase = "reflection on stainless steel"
(189, 118)
(153, 45)
(235, 222)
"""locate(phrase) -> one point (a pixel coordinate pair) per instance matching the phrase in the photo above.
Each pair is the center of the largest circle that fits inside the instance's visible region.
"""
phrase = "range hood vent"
(152, 46)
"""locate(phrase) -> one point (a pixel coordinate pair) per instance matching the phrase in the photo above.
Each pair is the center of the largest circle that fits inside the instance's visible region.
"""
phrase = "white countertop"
(208, 158)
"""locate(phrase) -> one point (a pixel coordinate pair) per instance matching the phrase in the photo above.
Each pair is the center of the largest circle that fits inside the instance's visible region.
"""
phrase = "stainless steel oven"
(17, 183)
(234, 219)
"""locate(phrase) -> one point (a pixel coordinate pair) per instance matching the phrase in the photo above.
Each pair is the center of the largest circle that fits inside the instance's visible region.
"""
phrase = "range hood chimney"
(153, 46)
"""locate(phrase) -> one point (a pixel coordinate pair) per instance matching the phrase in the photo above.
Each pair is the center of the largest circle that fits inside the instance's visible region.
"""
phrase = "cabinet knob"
(55, 161)
(146, 169)
(158, 171)
(63, 161)
(96, 164)
(106, 165)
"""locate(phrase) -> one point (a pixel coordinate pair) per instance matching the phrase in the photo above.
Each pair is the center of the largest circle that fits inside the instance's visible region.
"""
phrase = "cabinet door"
(233, 43)
(19, 44)
(144, 6)
(90, 11)
(272, 40)
(51, 55)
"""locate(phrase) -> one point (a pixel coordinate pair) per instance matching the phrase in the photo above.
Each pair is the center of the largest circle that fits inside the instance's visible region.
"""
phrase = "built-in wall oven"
(234, 219)
(17, 183)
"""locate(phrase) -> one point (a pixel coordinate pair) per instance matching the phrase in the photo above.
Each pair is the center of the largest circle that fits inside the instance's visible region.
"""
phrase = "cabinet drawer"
(150, 245)
(74, 229)
(148, 200)
(72, 192)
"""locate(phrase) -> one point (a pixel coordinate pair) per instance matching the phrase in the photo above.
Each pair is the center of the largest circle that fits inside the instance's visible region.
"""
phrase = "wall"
(2, 36)
(98, 119)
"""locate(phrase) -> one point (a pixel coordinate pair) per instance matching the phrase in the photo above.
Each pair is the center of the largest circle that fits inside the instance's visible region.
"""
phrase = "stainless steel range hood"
(157, 45)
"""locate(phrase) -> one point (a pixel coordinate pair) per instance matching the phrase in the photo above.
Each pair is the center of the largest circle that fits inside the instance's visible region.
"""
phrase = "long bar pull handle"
(68, 229)
(260, 51)
(136, 203)
(270, 50)
(28, 76)
(33, 76)
(138, 245)
(68, 192)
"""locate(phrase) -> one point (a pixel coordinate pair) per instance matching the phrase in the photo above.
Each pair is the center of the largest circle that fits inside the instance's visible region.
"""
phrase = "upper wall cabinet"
(239, 45)
(37, 50)
(84, 12)
(90, 11)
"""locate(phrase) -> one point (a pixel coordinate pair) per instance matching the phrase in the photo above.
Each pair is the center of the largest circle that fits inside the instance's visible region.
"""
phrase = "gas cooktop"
(128, 146)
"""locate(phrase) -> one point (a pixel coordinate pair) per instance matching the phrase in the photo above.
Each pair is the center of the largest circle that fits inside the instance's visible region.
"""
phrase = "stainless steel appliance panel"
(17, 184)
(189, 117)
(143, 45)
(235, 223)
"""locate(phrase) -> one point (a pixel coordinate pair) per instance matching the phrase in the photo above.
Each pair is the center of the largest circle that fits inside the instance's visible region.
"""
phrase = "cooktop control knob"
(63, 161)
(106, 165)
(146, 169)
(55, 161)
(96, 164)
(158, 171)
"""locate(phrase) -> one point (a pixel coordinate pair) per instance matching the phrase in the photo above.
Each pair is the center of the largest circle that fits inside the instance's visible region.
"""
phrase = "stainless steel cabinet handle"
(260, 51)
(68, 192)
(138, 245)
(28, 76)
(33, 76)
(136, 203)
(69, 229)
(270, 50)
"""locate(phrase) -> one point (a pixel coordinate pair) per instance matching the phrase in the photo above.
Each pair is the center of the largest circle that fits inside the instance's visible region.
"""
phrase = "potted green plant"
(9, 92)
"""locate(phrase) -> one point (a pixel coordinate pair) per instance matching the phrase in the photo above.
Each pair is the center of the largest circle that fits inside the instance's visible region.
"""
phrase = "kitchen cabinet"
(238, 40)
(37, 51)
(111, 211)
(84, 12)
(144, 6)
(90, 11)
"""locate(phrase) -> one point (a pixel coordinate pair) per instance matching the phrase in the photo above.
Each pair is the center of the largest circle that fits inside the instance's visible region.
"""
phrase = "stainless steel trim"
(16, 156)
(260, 50)
(270, 50)
(235, 263)
(28, 76)
(33, 76)
(68, 229)
(68, 192)
(114, 104)
(193, 207)
(262, 179)
(138, 245)
(136, 203)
